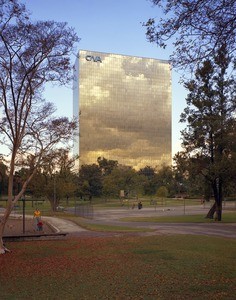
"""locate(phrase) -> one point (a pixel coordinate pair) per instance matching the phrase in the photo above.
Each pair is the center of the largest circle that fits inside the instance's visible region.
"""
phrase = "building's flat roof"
(158, 59)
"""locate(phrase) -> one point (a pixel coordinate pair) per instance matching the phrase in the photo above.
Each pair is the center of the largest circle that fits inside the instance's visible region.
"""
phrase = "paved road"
(114, 216)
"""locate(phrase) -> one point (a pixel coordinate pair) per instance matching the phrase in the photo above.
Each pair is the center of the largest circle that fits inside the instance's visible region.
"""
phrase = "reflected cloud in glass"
(125, 109)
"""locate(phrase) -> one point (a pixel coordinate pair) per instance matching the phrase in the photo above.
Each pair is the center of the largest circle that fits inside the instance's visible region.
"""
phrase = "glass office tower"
(124, 109)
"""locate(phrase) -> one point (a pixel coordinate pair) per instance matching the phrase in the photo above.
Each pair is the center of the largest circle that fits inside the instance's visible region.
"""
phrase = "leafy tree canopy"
(209, 138)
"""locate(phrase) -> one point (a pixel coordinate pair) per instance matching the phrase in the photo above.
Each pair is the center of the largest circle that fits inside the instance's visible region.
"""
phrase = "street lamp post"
(23, 200)
(54, 192)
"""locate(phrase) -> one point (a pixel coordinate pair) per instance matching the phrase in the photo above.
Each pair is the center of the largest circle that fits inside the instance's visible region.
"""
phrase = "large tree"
(203, 35)
(149, 182)
(90, 181)
(55, 179)
(31, 54)
(123, 178)
(208, 140)
(194, 27)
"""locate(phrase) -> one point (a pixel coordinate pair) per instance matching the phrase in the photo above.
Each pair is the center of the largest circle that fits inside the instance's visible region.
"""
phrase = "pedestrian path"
(62, 225)
(58, 225)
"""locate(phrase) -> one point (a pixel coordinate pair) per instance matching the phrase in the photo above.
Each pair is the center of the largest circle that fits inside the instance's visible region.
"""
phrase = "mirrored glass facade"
(124, 108)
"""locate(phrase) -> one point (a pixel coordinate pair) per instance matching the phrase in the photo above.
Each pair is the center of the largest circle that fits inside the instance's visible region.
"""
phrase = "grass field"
(227, 217)
(125, 267)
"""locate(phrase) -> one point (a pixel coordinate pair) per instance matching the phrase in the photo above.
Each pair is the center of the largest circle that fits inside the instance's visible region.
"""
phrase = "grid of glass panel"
(125, 109)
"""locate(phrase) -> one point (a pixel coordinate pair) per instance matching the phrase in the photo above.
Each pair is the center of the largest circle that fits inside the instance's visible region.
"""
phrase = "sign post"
(23, 200)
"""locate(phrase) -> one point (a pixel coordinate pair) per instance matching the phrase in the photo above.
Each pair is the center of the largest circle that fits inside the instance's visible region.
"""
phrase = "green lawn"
(229, 217)
(125, 267)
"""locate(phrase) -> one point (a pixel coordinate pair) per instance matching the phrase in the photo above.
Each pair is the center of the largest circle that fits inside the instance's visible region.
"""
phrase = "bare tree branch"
(196, 28)
(31, 54)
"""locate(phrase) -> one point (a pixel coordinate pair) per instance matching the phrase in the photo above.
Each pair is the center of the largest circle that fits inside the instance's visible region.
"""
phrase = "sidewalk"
(62, 225)
(15, 225)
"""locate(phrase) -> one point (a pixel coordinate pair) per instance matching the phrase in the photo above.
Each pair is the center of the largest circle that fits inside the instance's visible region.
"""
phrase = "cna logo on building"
(93, 58)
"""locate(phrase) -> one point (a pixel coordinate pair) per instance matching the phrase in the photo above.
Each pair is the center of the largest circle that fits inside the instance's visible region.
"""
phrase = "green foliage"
(148, 171)
(123, 178)
(55, 181)
(90, 181)
(154, 179)
(149, 180)
(162, 192)
(108, 179)
(106, 165)
(209, 139)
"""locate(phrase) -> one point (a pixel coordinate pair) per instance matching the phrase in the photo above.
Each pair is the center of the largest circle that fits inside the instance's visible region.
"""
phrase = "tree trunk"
(54, 202)
(10, 204)
(3, 221)
(218, 212)
(2, 225)
(211, 212)
(3, 249)
(217, 188)
(215, 211)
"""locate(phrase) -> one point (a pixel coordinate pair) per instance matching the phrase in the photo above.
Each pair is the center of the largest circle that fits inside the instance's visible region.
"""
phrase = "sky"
(111, 26)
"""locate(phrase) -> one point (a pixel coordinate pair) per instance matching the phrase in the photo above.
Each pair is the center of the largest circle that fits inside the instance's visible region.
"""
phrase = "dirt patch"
(15, 226)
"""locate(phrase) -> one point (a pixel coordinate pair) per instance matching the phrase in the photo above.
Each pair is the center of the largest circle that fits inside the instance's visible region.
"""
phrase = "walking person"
(37, 218)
